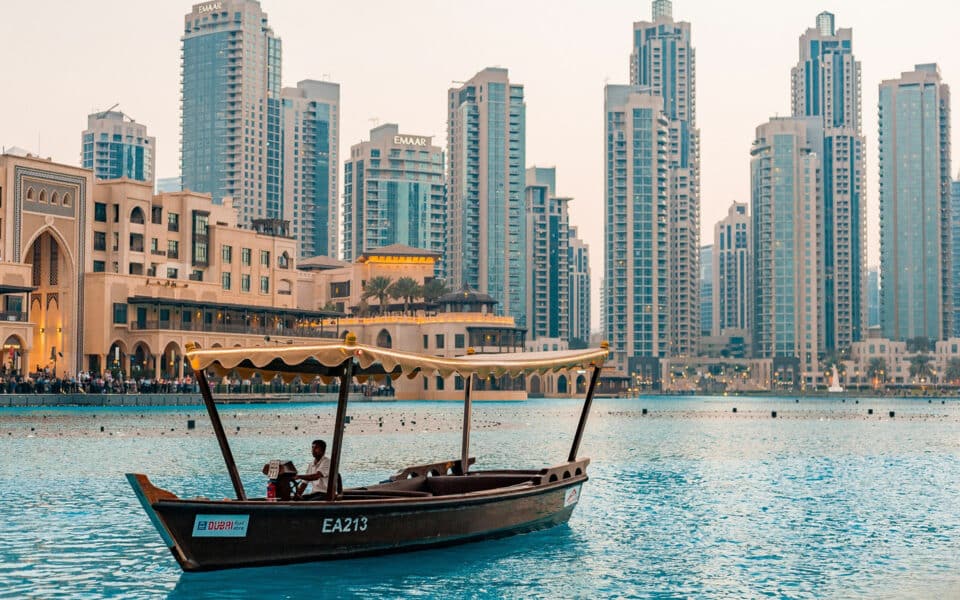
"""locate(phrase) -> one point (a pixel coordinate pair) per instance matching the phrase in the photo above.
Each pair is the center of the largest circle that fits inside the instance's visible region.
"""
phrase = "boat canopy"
(327, 360)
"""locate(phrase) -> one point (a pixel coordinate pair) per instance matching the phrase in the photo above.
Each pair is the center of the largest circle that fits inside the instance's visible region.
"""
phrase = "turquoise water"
(689, 500)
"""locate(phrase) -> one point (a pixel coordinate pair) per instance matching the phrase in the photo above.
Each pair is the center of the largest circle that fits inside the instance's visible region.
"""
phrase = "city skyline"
(145, 83)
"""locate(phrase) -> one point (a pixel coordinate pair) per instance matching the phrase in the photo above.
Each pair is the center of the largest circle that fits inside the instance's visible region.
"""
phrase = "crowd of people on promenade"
(43, 381)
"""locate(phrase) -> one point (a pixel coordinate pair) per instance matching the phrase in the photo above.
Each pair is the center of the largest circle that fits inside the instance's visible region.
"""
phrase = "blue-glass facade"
(826, 84)
(486, 232)
(916, 291)
(637, 260)
(706, 289)
(393, 194)
(663, 62)
(114, 146)
(230, 112)
(955, 246)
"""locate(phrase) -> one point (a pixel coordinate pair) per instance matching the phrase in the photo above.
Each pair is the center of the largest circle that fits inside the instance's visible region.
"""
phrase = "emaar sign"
(411, 140)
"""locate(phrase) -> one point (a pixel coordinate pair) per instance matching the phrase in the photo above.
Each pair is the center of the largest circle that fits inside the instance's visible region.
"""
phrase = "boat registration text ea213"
(236, 525)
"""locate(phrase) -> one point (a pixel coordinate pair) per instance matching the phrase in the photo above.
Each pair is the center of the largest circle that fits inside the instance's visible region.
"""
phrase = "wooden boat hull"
(208, 535)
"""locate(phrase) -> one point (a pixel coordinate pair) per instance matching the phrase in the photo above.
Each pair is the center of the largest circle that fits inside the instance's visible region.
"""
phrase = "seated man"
(317, 472)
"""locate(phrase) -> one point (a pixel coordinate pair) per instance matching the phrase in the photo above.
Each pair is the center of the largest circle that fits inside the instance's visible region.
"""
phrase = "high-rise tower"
(664, 63)
(916, 295)
(548, 249)
(230, 111)
(309, 142)
(732, 270)
(115, 146)
(486, 243)
(826, 84)
(784, 177)
(393, 193)
(637, 268)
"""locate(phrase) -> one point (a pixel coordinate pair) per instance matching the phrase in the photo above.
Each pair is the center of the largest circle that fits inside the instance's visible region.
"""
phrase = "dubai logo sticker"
(571, 496)
(221, 525)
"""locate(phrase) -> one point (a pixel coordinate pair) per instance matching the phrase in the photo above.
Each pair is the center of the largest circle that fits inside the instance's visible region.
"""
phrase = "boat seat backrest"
(445, 485)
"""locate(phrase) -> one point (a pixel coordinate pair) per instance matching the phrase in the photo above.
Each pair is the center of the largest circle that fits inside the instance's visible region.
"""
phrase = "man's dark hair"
(323, 444)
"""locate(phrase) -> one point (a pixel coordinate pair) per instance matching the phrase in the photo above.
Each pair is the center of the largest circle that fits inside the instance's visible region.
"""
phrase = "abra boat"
(437, 504)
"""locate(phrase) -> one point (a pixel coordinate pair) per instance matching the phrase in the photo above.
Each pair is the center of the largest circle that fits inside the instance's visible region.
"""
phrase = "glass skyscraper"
(637, 268)
(115, 146)
(955, 247)
(916, 288)
(580, 289)
(486, 145)
(787, 291)
(706, 289)
(309, 136)
(663, 62)
(548, 249)
(826, 84)
(393, 193)
(230, 113)
(732, 268)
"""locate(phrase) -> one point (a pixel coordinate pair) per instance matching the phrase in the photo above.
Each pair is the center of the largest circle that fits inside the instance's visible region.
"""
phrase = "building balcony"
(236, 328)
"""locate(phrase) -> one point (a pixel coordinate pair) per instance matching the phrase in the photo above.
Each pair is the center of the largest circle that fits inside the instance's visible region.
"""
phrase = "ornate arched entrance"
(53, 303)
(562, 385)
(171, 361)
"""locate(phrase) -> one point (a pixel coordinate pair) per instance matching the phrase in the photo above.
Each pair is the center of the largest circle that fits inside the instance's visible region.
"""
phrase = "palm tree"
(953, 370)
(920, 366)
(918, 344)
(433, 289)
(877, 369)
(406, 288)
(379, 288)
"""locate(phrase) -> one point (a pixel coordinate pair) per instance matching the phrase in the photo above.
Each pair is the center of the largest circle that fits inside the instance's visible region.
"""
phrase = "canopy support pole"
(467, 416)
(221, 435)
(583, 415)
(346, 378)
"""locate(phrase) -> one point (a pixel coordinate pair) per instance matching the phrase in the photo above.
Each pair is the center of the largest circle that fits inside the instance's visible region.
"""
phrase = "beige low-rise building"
(108, 276)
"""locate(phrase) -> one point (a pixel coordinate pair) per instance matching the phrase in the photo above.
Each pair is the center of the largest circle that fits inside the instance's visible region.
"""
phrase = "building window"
(30, 197)
(246, 256)
(439, 341)
(136, 215)
(100, 240)
(173, 222)
(116, 241)
(459, 340)
(340, 289)
(426, 342)
(457, 382)
(171, 273)
(199, 252)
(244, 283)
(119, 313)
(426, 382)
(265, 258)
(264, 285)
(156, 214)
(100, 212)
(225, 280)
(136, 242)
(173, 249)
(99, 266)
(135, 268)
(116, 212)
(226, 254)
(154, 246)
(439, 383)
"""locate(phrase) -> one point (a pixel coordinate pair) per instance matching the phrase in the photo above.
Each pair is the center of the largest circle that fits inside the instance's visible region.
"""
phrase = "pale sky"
(395, 60)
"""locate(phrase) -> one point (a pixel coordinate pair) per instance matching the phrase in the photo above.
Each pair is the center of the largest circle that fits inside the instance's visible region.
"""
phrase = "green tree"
(920, 367)
(406, 289)
(953, 370)
(877, 369)
(919, 344)
(379, 288)
(434, 289)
